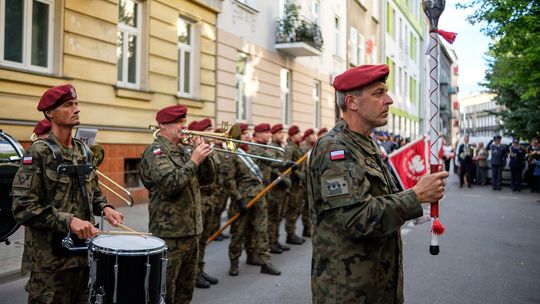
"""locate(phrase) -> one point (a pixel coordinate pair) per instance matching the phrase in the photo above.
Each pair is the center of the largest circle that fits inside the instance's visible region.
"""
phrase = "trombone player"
(169, 173)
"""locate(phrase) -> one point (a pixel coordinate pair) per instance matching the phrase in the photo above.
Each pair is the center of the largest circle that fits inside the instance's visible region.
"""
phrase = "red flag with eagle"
(410, 162)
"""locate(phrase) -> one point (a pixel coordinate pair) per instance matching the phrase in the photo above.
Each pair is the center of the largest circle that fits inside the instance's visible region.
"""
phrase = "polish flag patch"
(27, 160)
(157, 151)
(337, 155)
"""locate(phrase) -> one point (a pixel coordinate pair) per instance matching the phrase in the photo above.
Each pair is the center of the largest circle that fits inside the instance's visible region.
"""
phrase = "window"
(398, 81)
(390, 28)
(375, 8)
(131, 172)
(412, 83)
(241, 87)
(129, 43)
(337, 50)
(317, 103)
(412, 51)
(26, 39)
(361, 49)
(391, 76)
(185, 57)
(315, 11)
(354, 45)
(286, 96)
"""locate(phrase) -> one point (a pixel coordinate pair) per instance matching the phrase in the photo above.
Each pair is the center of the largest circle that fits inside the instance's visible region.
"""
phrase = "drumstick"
(123, 232)
(129, 229)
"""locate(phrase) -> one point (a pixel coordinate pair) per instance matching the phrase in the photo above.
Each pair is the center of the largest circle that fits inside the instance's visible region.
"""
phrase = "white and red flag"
(410, 162)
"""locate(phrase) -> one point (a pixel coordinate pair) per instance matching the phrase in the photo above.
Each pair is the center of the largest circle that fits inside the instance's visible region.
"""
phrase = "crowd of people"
(475, 160)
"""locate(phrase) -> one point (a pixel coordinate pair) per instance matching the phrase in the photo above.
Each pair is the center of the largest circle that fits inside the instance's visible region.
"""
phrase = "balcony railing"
(298, 37)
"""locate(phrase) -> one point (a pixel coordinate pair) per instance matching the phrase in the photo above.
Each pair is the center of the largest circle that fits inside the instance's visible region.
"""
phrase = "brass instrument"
(231, 137)
(129, 200)
(99, 155)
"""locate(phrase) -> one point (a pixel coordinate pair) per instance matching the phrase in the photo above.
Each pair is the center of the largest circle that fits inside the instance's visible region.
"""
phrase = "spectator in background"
(465, 158)
(534, 165)
(481, 164)
(498, 161)
(448, 155)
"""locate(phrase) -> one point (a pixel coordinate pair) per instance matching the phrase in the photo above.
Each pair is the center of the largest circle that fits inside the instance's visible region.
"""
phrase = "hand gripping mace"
(433, 10)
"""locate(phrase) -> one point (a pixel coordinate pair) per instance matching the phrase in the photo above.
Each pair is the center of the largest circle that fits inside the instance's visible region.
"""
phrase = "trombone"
(99, 155)
(231, 137)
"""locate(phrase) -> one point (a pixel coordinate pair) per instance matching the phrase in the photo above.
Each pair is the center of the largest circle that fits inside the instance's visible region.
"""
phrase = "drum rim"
(127, 252)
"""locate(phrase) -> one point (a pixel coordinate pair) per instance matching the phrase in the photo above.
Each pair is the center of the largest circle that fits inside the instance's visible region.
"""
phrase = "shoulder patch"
(23, 180)
(27, 160)
(336, 186)
(337, 154)
(157, 151)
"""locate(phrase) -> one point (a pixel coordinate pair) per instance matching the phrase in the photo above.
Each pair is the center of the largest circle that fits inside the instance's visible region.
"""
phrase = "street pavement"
(489, 254)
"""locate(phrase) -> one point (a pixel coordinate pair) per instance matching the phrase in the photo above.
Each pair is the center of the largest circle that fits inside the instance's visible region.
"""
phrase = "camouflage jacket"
(294, 153)
(170, 176)
(277, 169)
(357, 215)
(208, 179)
(240, 182)
(45, 201)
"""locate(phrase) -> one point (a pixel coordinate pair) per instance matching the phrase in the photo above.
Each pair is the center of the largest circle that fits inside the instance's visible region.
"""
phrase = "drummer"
(49, 204)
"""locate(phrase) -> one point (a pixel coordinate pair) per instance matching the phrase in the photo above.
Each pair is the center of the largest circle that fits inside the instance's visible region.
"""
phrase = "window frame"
(129, 30)
(241, 91)
(285, 96)
(337, 36)
(26, 63)
(361, 49)
(353, 38)
(316, 103)
(182, 49)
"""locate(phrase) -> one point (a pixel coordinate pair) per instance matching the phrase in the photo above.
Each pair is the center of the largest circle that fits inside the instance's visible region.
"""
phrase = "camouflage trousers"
(306, 221)
(250, 228)
(294, 208)
(66, 287)
(182, 254)
(208, 216)
(221, 203)
(278, 199)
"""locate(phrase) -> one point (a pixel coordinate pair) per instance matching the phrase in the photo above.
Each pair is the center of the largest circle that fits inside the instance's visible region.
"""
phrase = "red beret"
(293, 130)
(360, 76)
(276, 128)
(193, 126)
(56, 96)
(171, 113)
(322, 130)
(218, 130)
(42, 127)
(263, 127)
(308, 132)
(205, 123)
(243, 126)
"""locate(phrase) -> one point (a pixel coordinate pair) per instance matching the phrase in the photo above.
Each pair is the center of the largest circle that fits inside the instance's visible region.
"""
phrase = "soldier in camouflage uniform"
(169, 173)
(296, 201)
(49, 205)
(355, 208)
(208, 184)
(244, 181)
(221, 193)
(309, 139)
(278, 196)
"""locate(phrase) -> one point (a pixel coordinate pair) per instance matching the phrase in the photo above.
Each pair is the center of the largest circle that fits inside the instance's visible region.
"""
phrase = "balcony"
(298, 37)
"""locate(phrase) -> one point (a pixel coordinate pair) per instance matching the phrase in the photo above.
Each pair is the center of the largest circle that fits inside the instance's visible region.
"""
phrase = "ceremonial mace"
(433, 10)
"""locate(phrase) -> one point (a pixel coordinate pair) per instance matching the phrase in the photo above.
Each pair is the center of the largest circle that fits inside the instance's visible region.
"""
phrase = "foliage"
(292, 28)
(514, 58)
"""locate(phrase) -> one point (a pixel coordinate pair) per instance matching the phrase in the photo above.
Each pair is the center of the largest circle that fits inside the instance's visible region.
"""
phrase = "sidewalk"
(135, 217)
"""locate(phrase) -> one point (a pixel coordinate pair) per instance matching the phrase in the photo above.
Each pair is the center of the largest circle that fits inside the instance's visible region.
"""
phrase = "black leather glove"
(289, 164)
(241, 204)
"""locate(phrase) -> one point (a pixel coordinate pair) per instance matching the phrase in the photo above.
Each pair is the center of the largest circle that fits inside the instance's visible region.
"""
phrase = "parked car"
(474, 140)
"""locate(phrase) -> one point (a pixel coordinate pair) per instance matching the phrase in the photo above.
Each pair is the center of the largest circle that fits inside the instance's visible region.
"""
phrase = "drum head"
(128, 244)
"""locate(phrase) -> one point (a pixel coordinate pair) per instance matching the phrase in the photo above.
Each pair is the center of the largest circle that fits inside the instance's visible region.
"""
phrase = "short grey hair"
(340, 97)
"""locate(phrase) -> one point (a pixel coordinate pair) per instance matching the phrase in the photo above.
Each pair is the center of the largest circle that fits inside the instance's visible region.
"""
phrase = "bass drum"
(11, 153)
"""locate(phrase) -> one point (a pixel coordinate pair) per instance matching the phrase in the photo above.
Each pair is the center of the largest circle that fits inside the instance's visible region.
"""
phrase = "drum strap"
(79, 171)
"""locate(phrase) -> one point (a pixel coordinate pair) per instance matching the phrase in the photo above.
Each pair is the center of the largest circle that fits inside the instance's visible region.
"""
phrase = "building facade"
(275, 61)
(126, 58)
(403, 39)
(479, 115)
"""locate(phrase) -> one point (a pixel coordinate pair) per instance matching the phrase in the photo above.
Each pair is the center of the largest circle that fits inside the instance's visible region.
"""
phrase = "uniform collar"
(363, 141)
(167, 145)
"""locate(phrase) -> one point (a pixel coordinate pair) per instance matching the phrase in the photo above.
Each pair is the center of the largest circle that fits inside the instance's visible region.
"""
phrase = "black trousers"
(516, 177)
(496, 174)
(466, 170)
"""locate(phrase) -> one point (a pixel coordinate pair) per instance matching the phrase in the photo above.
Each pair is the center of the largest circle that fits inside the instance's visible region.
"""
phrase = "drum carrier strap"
(79, 172)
